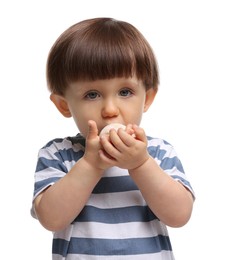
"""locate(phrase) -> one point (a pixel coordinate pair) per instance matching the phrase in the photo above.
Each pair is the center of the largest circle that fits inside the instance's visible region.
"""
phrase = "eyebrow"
(91, 85)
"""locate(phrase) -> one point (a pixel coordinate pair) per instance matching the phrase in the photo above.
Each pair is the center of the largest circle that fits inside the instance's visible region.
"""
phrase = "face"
(118, 100)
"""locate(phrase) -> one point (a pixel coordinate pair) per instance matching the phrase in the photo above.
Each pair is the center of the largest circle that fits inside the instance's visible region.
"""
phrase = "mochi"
(115, 126)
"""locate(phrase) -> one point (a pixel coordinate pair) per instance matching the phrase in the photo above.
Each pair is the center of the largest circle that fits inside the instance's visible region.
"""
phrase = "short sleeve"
(166, 157)
(54, 161)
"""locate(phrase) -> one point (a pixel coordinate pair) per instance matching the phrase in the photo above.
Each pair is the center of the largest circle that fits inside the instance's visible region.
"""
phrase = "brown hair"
(100, 48)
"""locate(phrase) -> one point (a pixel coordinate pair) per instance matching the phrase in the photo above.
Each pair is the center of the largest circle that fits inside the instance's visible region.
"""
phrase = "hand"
(126, 149)
(93, 146)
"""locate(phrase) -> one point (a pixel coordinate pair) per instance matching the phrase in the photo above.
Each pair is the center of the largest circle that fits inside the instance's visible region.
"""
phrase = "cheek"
(82, 125)
(133, 115)
(138, 119)
(81, 119)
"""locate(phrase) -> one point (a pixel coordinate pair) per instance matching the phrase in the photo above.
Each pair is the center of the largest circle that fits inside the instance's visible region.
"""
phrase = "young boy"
(109, 196)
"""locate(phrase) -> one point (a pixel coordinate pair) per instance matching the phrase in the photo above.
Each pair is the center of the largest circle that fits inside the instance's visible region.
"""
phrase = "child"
(108, 196)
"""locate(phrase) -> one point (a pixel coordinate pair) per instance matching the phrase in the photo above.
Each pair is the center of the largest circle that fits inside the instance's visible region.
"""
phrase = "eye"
(92, 95)
(125, 92)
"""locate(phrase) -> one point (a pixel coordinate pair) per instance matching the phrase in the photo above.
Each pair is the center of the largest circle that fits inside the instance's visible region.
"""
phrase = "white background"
(189, 39)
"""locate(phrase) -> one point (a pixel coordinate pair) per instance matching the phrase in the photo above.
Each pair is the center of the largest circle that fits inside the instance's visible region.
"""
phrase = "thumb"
(92, 130)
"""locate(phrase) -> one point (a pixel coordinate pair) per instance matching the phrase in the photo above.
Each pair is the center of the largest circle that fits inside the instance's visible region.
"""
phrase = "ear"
(150, 95)
(61, 104)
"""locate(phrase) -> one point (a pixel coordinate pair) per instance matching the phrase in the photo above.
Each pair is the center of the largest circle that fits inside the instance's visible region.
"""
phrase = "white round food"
(115, 126)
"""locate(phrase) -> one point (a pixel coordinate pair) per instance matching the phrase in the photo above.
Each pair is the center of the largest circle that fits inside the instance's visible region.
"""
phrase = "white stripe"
(115, 231)
(169, 155)
(69, 164)
(116, 199)
(115, 172)
(175, 171)
(53, 172)
(156, 142)
(69, 257)
(48, 173)
(65, 144)
(48, 152)
(160, 142)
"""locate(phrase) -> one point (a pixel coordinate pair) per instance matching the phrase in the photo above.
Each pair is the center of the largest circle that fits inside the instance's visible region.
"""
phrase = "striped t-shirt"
(116, 222)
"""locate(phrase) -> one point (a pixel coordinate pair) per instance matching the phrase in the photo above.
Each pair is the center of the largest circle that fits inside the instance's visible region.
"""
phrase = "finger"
(129, 129)
(139, 133)
(109, 145)
(92, 130)
(106, 157)
(115, 139)
(128, 139)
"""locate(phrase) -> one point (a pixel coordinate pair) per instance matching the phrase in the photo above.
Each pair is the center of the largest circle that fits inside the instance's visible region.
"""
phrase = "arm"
(170, 201)
(58, 205)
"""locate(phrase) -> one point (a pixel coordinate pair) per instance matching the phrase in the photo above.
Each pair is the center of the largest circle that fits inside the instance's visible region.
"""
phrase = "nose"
(110, 109)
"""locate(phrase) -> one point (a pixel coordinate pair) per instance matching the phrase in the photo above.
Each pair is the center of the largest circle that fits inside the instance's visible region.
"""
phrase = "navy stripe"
(44, 163)
(133, 246)
(156, 152)
(78, 139)
(115, 184)
(170, 163)
(56, 140)
(60, 247)
(116, 215)
(69, 155)
(44, 183)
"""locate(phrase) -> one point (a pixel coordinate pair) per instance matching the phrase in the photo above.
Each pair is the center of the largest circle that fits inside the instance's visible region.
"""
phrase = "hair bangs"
(99, 49)
(103, 54)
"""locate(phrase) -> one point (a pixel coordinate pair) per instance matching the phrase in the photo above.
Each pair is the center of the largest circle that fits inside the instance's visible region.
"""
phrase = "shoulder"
(157, 141)
(164, 153)
(63, 148)
(76, 142)
(60, 154)
(158, 146)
